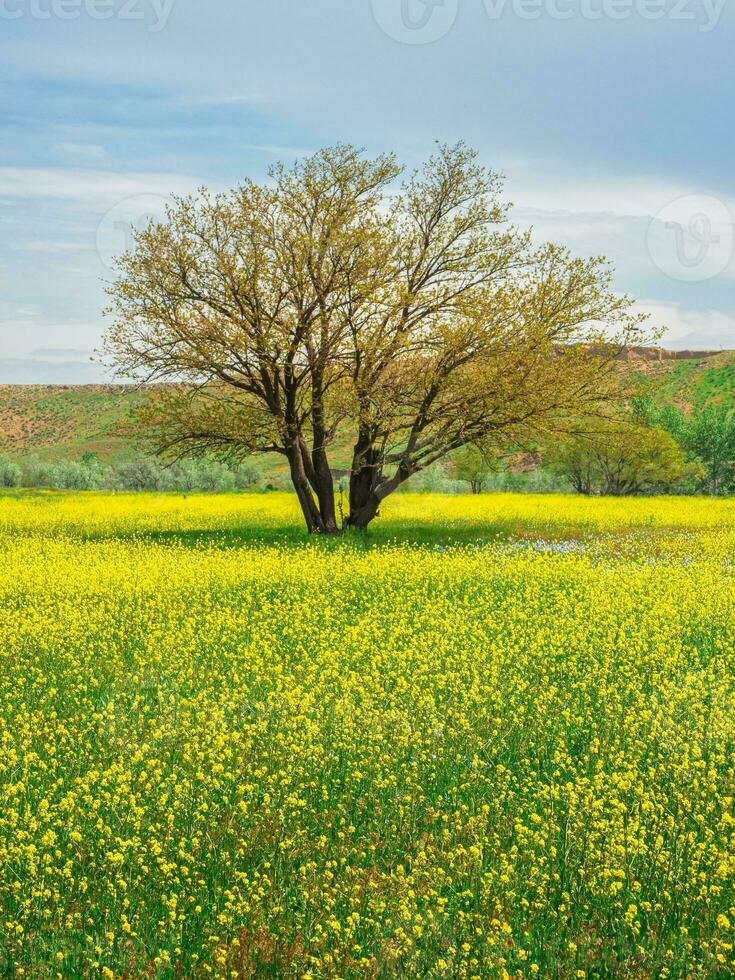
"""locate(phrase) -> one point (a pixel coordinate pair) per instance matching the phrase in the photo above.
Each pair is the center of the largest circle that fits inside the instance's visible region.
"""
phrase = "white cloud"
(601, 195)
(24, 336)
(59, 354)
(50, 248)
(88, 151)
(52, 372)
(710, 329)
(634, 222)
(92, 186)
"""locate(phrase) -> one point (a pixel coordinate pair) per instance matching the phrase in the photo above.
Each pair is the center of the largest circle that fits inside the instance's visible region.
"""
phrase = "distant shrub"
(36, 473)
(434, 479)
(537, 479)
(10, 473)
(620, 457)
(706, 435)
(71, 475)
(203, 476)
(247, 475)
(139, 474)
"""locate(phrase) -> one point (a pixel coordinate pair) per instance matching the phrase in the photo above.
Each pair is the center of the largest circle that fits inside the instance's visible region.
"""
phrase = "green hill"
(64, 421)
(694, 382)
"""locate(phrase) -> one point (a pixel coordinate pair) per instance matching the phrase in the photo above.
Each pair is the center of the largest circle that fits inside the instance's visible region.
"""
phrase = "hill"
(695, 381)
(64, 421)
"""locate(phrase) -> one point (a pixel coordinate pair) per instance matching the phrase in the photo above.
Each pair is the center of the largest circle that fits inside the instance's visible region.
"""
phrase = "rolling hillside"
(64, 421)
(698, 381)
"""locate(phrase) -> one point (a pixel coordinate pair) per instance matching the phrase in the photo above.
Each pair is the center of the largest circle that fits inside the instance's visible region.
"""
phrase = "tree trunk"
(368, 486)
(364, 503)
(302, 487)
(319, 472)
(360, 518)
(312, 477)
(324, 489)
(370, 503)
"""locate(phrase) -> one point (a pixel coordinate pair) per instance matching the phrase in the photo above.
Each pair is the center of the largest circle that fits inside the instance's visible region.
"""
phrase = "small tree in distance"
(328, 300)
(473, 465)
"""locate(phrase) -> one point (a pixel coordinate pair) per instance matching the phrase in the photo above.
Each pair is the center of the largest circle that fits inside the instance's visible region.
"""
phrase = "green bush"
(10, 473)
(140, 474)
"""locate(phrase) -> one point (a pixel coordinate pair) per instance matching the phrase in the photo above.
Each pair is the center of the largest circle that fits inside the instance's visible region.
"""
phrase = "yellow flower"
(482, 758)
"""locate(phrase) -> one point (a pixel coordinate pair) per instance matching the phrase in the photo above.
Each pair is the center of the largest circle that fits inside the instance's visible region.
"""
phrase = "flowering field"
(495, 738)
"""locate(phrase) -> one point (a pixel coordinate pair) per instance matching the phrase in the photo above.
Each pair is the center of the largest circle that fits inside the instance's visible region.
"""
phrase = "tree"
(329, 300)
(10, 472)
(473, 465)
(247, 475)
(707, 435)
(575, 460)
(139, 475)
(620, 457)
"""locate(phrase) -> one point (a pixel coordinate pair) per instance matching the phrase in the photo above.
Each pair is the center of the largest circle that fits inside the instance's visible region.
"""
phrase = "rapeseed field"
(493, 738)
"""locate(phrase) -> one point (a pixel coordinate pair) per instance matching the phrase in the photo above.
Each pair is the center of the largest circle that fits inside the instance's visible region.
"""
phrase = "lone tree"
(335, 299)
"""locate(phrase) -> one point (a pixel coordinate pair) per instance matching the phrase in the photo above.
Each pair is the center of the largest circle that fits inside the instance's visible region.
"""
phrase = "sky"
(611, 120)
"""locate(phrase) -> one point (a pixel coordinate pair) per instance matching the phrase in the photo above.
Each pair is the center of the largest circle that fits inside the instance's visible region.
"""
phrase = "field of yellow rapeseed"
(493, 738)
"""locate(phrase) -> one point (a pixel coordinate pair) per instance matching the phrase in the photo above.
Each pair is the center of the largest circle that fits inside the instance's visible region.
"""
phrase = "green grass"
(695, 382)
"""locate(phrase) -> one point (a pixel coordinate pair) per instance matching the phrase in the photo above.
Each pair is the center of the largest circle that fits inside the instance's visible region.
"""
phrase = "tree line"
(139, 473)
(649, 449)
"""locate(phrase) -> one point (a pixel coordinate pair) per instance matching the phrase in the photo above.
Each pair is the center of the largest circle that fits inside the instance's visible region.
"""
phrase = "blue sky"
(612, 120)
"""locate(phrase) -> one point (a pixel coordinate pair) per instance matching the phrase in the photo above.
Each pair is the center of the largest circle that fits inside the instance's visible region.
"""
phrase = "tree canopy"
(618, 456)
(345, 297)
(474, 465)
(707, 435)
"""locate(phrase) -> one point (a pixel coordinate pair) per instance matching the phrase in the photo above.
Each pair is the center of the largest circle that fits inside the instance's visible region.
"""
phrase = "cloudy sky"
(612, 120)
